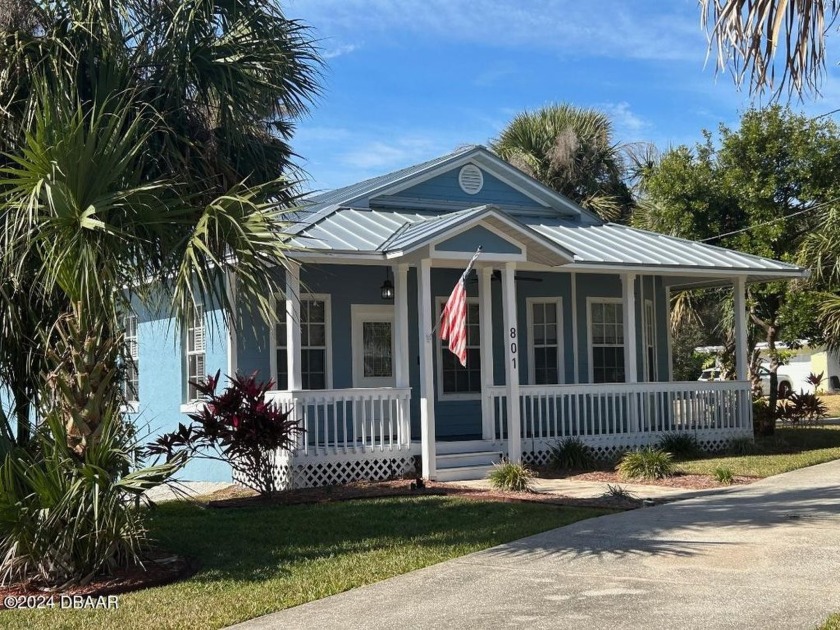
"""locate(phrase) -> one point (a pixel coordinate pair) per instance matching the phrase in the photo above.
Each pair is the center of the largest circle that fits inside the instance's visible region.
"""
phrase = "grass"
(789, 449)
(259, 560)
(832, 401)
(832, 623)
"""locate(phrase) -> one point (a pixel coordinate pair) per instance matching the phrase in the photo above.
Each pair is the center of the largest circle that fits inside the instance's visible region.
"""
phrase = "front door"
(373, 345)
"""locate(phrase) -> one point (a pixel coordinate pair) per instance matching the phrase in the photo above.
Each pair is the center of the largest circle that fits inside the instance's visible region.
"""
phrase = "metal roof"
(369, 231)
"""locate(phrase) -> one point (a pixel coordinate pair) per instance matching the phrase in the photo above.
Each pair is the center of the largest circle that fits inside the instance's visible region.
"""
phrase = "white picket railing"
(338, 421)
(557, 411)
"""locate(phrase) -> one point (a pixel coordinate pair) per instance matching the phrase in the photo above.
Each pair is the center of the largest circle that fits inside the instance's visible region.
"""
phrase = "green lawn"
(832, 623)
(789, 449)
(258, 560)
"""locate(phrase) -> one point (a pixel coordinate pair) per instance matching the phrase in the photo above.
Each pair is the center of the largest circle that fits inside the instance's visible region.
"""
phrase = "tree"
(143, 144)
(760, 189)
(748, 33)
(571, 150)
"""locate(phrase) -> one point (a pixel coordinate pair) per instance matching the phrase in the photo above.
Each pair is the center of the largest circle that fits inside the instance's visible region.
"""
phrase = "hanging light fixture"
(387, 289)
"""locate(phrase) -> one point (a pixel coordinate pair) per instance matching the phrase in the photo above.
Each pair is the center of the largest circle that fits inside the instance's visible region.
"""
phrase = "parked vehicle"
(783, 379)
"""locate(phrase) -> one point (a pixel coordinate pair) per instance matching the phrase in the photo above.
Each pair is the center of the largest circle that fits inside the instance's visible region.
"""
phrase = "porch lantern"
(387, 288)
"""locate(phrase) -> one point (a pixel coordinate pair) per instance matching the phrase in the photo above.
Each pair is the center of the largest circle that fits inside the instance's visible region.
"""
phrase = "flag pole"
(463, 279)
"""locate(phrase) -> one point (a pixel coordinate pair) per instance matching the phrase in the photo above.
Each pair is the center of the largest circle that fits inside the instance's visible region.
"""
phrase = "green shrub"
(66, 518)
(742, 446)
(617, 492)
(723, 475)
(570, 453)
(511, 477)
(646, 463)
(680, 445)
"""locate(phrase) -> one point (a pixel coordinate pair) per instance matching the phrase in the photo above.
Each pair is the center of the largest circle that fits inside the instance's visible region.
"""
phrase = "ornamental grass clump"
(723, 475)
(511, 477)
(571, 454)
(646, 463)
(680, 445)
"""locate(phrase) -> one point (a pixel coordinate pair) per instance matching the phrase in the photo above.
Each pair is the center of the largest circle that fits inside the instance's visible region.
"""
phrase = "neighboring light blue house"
(567, 319)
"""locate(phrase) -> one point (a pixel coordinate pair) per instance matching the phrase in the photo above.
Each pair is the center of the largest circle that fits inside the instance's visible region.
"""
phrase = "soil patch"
(679, 480)
(158, 568)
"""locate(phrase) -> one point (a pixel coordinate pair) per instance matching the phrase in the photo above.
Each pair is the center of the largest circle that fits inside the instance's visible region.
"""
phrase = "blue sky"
(407, 80)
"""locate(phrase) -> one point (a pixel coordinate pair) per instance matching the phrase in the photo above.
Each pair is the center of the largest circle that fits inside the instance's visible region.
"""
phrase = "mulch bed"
(239, 497)
(158, 569)
(679, 480)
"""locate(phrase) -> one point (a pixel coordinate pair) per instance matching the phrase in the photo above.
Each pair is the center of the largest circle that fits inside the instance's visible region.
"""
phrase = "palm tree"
(569, 149)
(143, 144)
(747, 34)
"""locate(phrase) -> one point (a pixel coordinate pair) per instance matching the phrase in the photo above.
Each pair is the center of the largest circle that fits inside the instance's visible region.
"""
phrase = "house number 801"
(513, 346)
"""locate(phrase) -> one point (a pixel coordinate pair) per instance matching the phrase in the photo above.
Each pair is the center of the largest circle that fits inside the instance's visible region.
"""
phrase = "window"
(131, 383)
(607, 341)
(650, 340)
(314, 337)
(376, 344)
(196, 370)
(544, 330)
(453, 378)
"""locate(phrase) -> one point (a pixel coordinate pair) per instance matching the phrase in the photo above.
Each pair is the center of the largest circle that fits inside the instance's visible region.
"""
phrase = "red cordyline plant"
(238, 426)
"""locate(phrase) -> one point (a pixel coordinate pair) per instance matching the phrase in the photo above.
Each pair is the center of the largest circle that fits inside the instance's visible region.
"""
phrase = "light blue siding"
(470, 240)
(162, 379)
(445, 187)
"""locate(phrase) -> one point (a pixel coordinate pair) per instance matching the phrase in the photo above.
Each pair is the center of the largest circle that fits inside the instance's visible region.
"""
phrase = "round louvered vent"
(470, 179)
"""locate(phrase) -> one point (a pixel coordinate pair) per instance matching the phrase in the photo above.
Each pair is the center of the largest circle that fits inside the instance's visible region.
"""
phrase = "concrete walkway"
(764, 555)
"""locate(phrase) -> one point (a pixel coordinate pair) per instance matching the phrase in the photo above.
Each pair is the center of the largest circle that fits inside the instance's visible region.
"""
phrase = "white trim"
(132, 405)
(740, 308)
(190, 325)
(360, 313)
(402, 363)
(440, 301)
(631, 341)
(561, 364)
(485, 313)
(272, 336)
(427, 387)
(590, 300)
(512, 339)
(232, 337)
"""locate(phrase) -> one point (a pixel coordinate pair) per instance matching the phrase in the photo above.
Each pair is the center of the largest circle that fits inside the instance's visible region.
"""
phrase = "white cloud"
(338, 51)
(626, 123)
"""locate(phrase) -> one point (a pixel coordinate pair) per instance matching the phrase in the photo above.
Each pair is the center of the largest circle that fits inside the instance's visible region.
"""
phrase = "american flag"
(453, 326)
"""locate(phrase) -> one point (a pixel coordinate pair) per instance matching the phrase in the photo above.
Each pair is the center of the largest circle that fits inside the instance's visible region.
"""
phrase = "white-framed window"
(545, 341)
(606, 340)
(195, 351)
(650, 341)
(454, 380)
(131, 384)
(315, 342)
(373, 345)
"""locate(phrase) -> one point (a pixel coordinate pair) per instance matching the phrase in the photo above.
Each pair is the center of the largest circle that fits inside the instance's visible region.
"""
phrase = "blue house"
(567, 331)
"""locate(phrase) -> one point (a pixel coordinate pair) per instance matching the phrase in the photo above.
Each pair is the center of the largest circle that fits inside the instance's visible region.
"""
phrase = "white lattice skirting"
(295, 471)
(611, 447)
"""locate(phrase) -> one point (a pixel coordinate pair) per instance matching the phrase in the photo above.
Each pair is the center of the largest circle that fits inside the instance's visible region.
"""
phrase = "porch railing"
(558, 411)
(349, 420)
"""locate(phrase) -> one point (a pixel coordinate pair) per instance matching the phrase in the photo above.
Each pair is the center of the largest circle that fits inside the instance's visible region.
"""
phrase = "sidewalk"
(763, 555)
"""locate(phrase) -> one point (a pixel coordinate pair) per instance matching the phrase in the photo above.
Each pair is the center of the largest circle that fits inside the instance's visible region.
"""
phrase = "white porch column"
(741, 361)
(401, 359)
(485, 293)
(427, 382)
(293, 326)
(628, 289)
(512, 343)
(575, 334)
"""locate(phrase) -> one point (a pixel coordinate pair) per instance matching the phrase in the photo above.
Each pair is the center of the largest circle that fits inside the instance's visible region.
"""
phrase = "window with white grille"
(545, 341)
(131, 382)
(196, 369)
(314, 341)
(650, 341)
(606, 326)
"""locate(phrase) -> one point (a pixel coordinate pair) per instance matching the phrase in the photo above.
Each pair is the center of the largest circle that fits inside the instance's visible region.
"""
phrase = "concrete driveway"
(760, 556)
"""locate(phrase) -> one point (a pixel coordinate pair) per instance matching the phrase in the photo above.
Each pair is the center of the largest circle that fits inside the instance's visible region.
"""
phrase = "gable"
(445, 188)
(471, 239)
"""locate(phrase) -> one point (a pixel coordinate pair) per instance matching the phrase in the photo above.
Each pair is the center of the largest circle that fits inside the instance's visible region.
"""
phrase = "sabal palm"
(748, 33)
(145, 144)
(571, 150)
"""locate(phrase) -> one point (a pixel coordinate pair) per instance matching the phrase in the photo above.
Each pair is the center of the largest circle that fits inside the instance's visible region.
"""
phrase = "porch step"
(465, 446)
(468, 459)
(463, 473)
